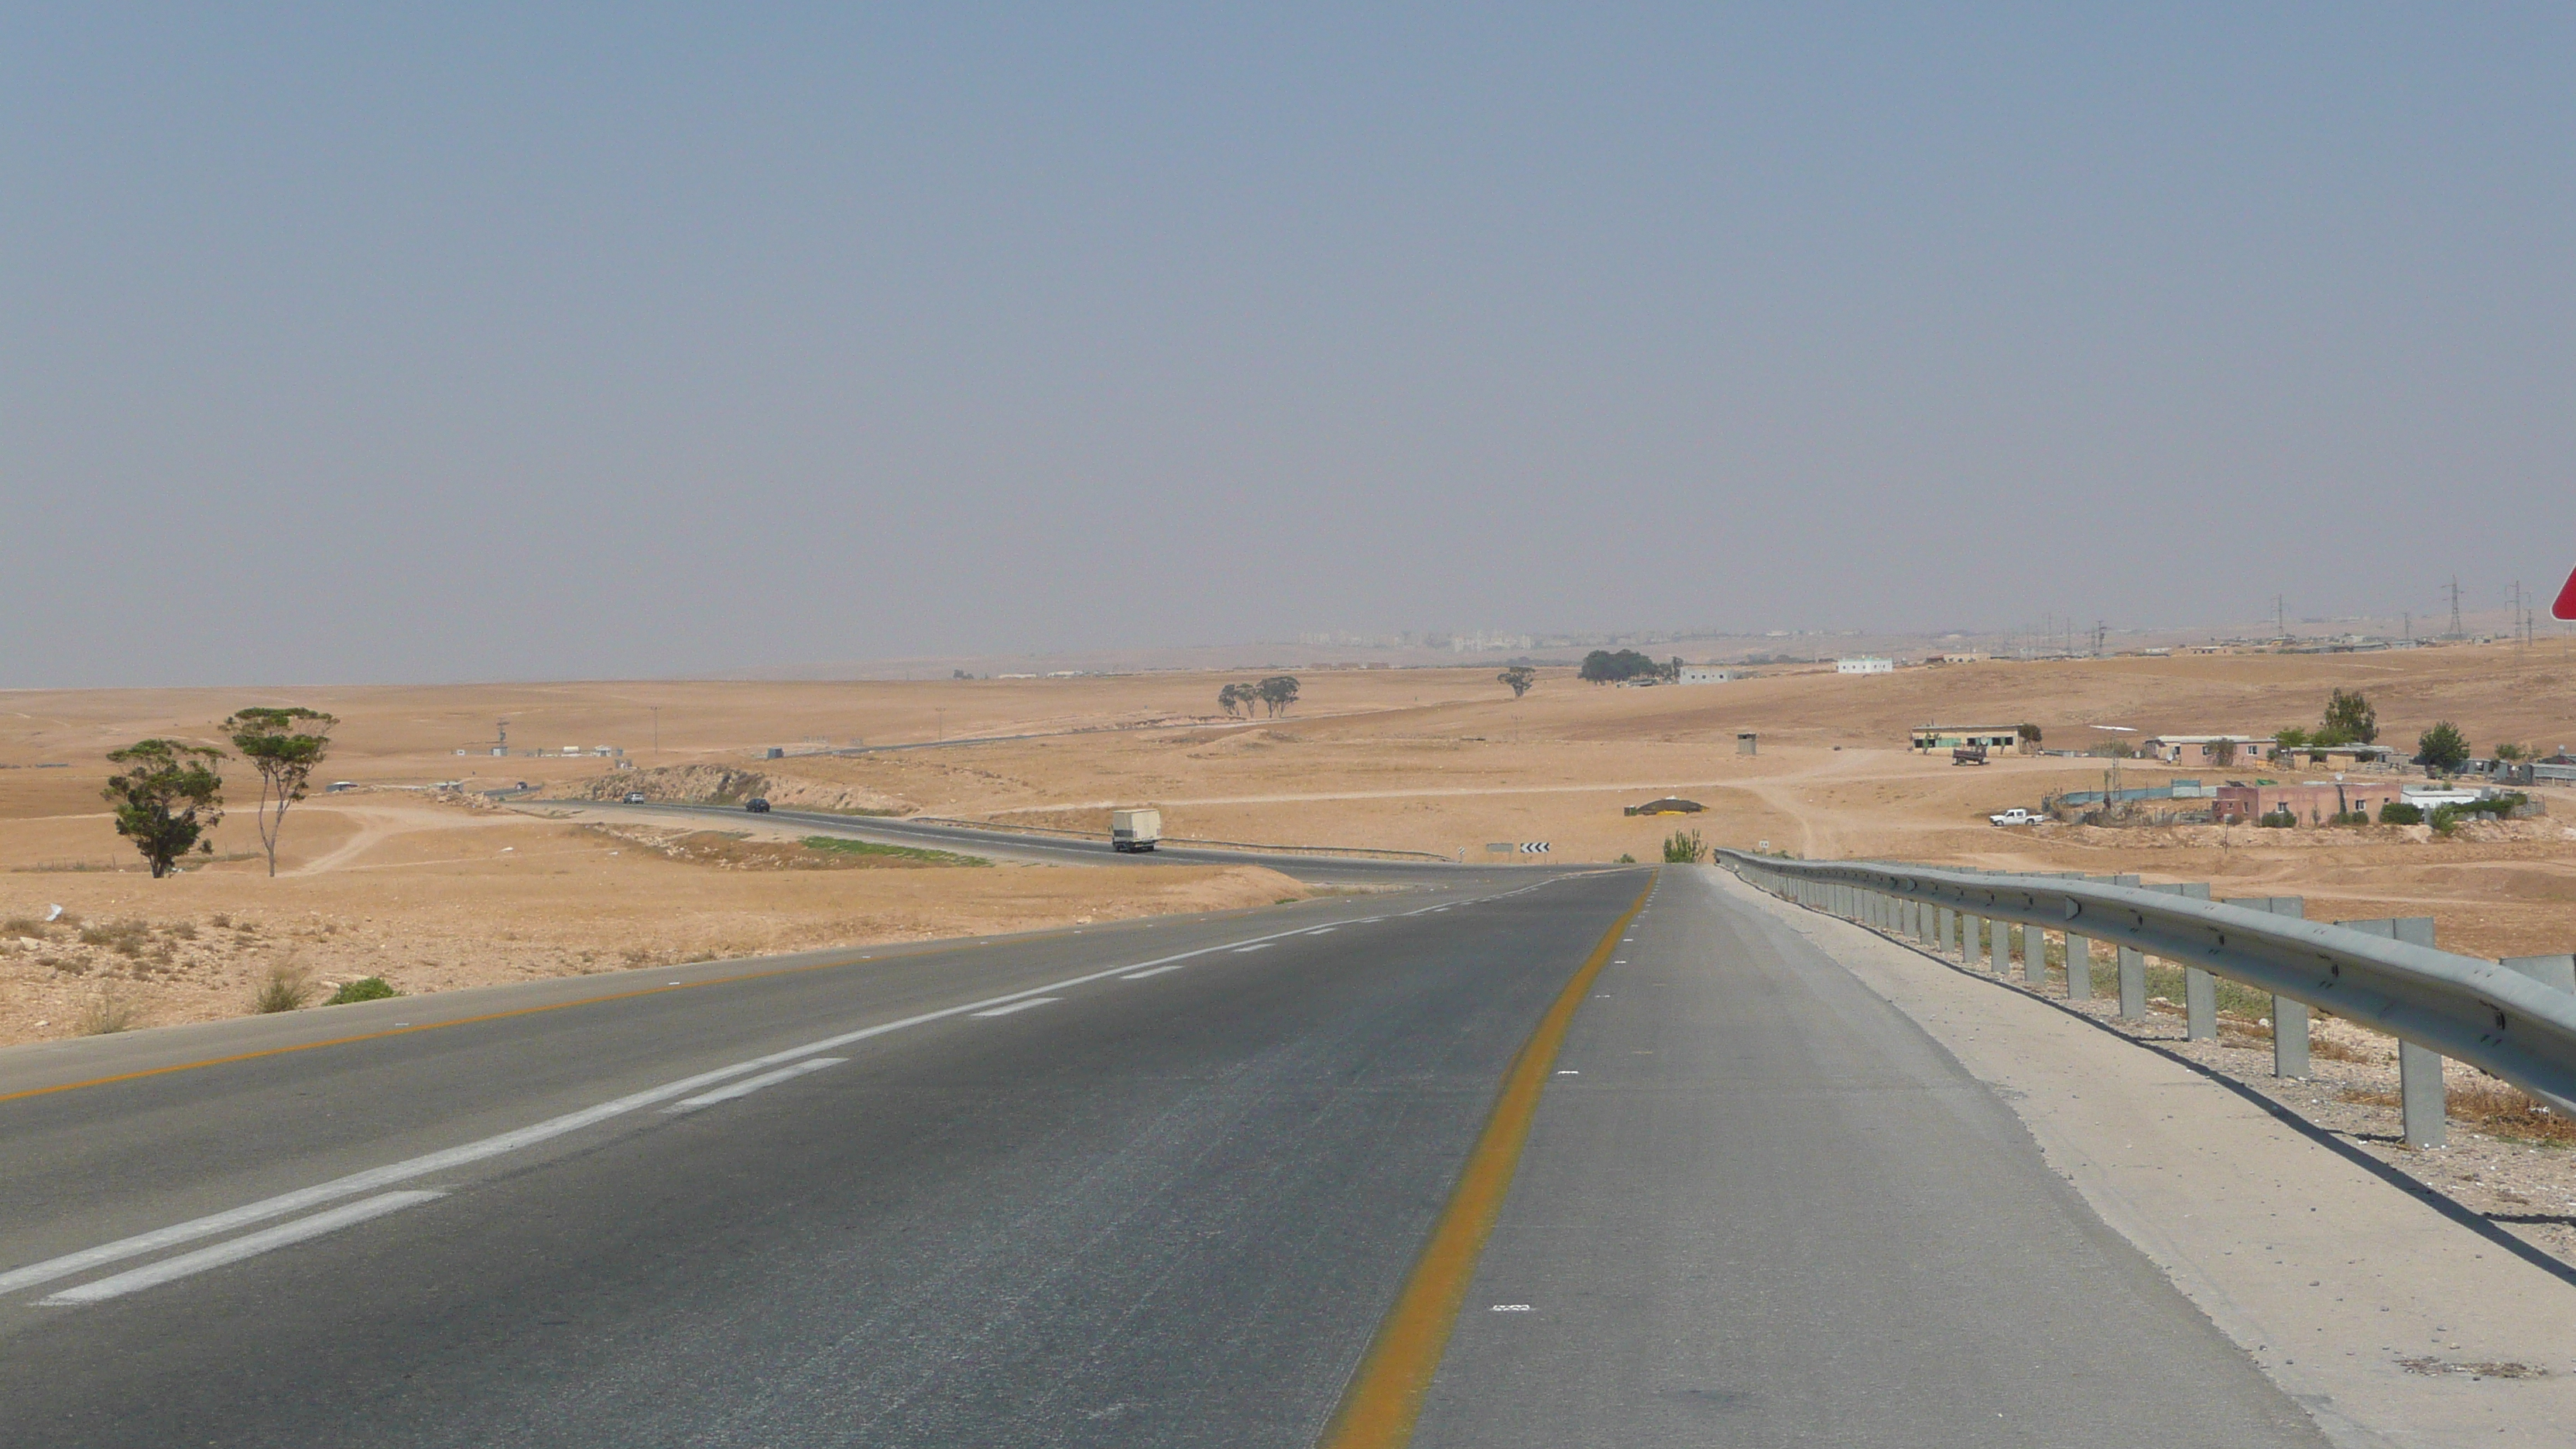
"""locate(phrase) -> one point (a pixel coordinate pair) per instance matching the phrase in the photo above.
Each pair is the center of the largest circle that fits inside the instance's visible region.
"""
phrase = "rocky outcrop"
(725, 785)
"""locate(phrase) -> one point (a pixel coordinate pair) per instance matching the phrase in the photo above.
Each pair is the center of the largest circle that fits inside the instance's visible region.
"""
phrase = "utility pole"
(2456, 631)
(2517, 614)
(657, 731)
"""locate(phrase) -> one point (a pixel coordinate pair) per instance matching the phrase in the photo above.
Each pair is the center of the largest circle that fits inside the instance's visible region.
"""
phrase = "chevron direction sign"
(1533, 847)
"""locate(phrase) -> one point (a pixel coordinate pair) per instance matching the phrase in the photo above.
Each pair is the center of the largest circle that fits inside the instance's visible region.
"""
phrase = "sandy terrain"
(439, 893)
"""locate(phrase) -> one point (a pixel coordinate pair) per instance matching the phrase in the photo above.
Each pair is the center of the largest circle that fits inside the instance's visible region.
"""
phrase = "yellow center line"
(1384, 1398)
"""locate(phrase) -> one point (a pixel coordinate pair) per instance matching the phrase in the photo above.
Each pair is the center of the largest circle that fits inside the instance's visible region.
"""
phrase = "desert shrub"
(2349, 817)
(185, 930)
(23, 926)
(2278, 820)
(2446, 818)
(125, 938)
(284, 988)
(103, 1015)
(1684, 848)
(365, 988)
(1625, 859)
(2398, 812)
(219, 919)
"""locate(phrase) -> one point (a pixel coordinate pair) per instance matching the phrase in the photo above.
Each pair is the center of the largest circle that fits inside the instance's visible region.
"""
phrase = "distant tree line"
(1603, 666)
(1275, 694)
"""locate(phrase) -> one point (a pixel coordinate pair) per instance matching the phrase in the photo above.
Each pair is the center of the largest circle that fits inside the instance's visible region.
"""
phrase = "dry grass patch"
(2498, 1109)
(103, 1015)
(286, 987)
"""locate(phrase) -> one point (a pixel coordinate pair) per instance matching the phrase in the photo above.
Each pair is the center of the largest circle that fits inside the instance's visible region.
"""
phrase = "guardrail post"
(2199, 1005)
(1972, 938)
(2002, 957)
(2079, 967)
(2289, 1018)
(2199, 988)
(2423, 1103)
(1922, 924)
(1945, 923)
(2034, 956)
(2133, 984)
(2558, 970)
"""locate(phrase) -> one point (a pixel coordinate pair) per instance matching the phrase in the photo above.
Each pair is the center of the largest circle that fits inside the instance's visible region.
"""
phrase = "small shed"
(1744, 743)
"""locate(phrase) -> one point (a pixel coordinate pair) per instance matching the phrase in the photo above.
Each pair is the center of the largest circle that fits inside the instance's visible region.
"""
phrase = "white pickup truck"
(2015, 816)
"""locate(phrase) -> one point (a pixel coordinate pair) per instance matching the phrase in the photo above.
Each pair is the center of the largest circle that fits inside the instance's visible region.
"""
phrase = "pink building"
(2313, 802)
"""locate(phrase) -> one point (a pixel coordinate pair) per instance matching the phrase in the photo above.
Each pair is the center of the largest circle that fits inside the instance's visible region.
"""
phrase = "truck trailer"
(1132, 830)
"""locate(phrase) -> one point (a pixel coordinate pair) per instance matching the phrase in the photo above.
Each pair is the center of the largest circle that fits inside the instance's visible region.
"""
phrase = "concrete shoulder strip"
(2326, 1275)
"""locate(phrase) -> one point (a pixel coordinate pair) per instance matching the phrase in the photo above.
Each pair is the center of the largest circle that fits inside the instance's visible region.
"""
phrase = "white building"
(1864, 664)
(1704, 674)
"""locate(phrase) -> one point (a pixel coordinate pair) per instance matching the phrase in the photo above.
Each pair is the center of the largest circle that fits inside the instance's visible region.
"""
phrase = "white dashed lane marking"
(1018, 1006)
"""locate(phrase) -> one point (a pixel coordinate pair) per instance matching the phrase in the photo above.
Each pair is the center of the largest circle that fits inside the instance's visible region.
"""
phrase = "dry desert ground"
(433, 889)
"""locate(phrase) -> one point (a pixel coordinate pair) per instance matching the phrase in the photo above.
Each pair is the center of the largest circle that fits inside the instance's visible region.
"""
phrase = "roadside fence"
(2514, 1019)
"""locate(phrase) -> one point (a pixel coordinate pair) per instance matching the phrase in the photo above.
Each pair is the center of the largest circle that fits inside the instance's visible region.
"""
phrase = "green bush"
(1625, 859)
(2397, 812)
(2278, 820)
(2446, 818)
(2349, 817)
(365, 988)
(2443, 747)
(1684, 848)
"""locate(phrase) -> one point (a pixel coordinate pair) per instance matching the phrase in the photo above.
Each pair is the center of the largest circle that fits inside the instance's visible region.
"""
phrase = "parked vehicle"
(634, 797)
(1968, 755)
(1134, 830)
(756, 806)
(2015, 816)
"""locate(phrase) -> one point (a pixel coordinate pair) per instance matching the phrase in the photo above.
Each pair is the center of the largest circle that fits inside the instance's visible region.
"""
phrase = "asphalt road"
(1318, 868)
(1153, 1184)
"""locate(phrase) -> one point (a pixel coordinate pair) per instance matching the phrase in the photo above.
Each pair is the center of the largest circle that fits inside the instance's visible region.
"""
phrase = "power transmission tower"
(2517, 613)
(2456, 631)
(2280, 620)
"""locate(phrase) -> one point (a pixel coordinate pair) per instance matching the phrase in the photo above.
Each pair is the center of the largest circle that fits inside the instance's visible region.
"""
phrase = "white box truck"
(1135, 829)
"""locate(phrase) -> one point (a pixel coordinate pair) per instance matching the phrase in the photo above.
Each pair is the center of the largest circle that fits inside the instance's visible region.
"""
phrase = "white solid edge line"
(251, 1246)
(1020, 1005)
(1246, 950)
(749, 1085)
(1155, 971)
(375, 1178)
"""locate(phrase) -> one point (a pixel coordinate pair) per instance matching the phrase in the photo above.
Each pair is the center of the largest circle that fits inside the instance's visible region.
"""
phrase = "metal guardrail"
(2483, 1012)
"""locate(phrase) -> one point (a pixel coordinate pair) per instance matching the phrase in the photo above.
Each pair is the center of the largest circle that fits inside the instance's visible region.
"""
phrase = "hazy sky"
(358, 343)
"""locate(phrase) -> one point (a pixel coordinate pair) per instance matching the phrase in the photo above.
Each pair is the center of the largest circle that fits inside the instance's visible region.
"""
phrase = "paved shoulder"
(1759, 1206)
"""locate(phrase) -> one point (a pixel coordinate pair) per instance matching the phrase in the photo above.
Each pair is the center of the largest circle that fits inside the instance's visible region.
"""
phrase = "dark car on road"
(756, 806)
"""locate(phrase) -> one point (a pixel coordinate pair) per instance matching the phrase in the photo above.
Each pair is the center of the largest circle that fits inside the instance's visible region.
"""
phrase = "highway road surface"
(1319, 868)
(1529, 1159)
